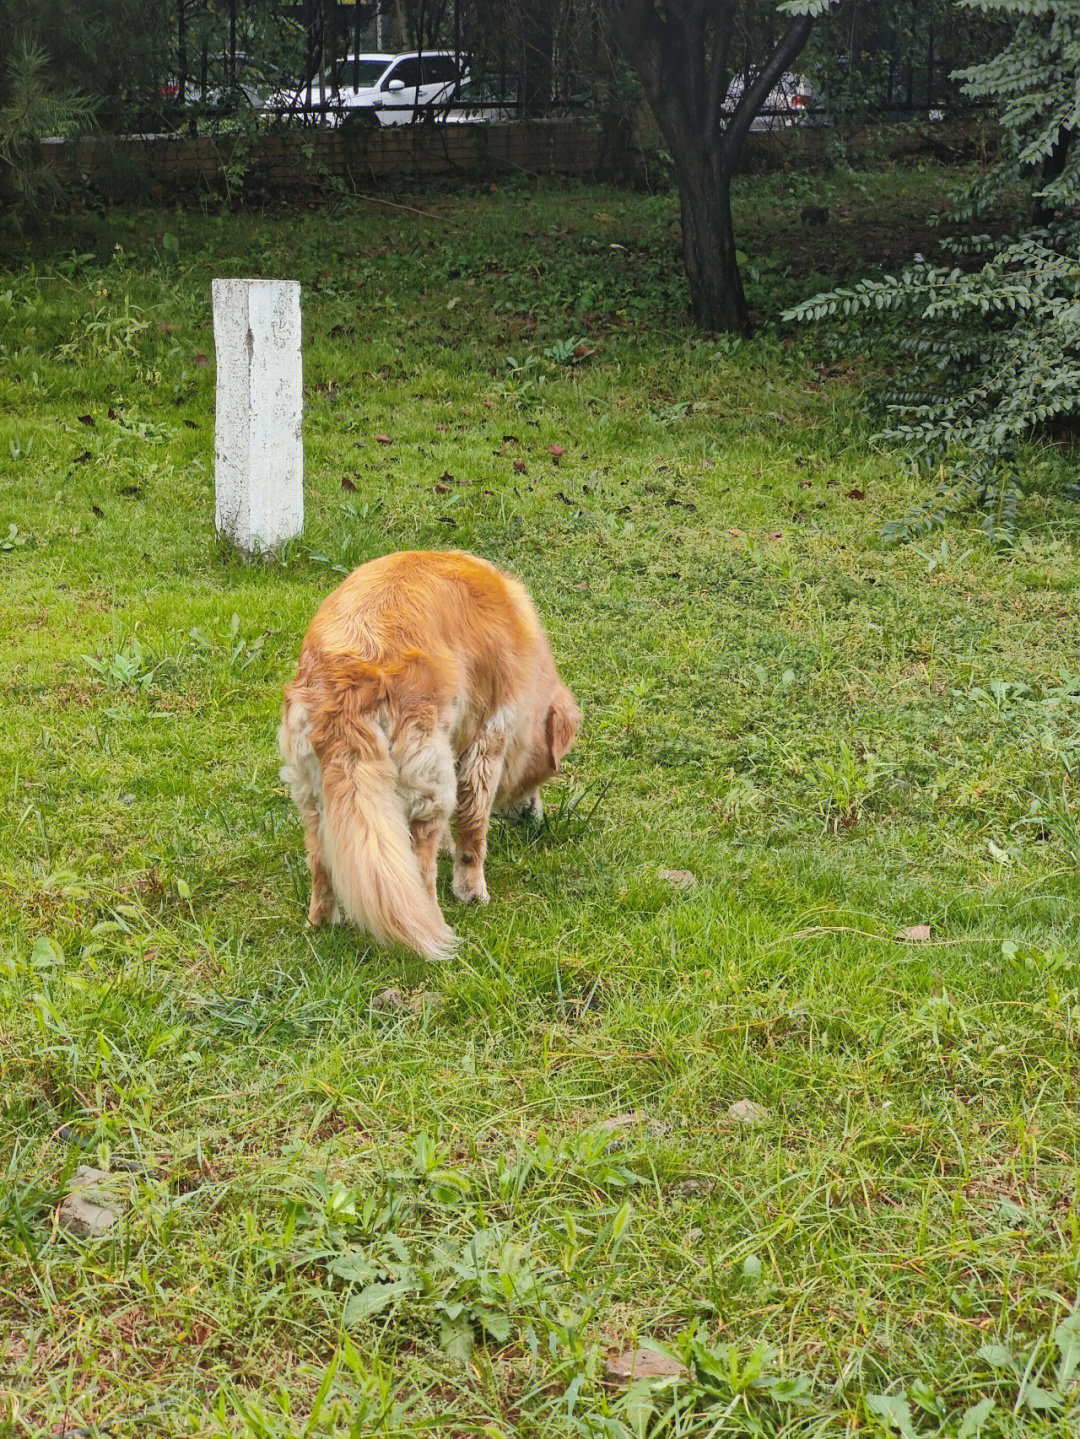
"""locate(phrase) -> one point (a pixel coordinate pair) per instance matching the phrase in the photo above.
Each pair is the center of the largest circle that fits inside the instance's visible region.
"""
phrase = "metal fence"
(306, 62)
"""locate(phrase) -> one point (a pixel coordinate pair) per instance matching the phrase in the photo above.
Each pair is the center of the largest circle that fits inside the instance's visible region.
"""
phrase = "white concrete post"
(258, 446)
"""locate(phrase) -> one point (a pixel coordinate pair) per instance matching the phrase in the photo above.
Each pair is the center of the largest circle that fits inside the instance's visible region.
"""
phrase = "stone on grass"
(642, 1364)
(745, 1111)
(678, 878)
(91, 1206)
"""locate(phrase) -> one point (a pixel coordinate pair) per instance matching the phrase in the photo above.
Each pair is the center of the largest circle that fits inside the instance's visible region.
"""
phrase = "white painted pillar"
(258, 446)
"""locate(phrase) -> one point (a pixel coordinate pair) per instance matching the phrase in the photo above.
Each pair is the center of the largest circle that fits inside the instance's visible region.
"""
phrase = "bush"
(31, 109)
(993, 351)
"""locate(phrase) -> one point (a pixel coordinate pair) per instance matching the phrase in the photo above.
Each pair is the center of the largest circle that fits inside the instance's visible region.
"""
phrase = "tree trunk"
(708, 239)
(681, 58)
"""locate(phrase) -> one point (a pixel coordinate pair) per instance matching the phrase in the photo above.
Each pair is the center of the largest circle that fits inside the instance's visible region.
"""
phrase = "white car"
(788, 103)
(378, 89)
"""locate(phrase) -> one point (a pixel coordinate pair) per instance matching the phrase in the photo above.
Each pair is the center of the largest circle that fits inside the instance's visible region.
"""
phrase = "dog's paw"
(470, 888)
(529, 810)
(321, 913)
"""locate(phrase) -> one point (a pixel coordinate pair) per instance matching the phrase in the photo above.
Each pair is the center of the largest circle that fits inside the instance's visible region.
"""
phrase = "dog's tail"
(369, 853)
(367, 847)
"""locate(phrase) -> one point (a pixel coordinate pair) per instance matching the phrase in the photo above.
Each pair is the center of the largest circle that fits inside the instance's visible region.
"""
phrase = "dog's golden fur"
(425, 693)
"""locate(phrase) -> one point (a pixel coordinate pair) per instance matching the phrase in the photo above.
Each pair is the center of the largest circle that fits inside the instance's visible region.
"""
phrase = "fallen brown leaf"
(642, 1364)
(746, 1111)
(916, 934)
(636, 1120)
(678, 878)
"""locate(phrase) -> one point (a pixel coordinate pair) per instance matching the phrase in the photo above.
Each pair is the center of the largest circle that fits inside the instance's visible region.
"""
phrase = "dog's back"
(465, 618)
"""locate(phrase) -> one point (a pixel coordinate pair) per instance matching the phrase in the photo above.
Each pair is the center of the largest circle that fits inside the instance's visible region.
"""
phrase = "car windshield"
(352, 72)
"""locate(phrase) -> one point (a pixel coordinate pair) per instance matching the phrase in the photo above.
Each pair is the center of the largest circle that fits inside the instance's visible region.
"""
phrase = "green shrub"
(992, 351)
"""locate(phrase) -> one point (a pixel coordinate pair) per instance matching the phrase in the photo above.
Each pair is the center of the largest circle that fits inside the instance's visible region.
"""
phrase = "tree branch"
(719, 76)
(755, 94)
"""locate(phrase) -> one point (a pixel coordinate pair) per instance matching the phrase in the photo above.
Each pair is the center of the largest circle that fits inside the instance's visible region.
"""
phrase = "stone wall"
(287, 160)
(281, 161)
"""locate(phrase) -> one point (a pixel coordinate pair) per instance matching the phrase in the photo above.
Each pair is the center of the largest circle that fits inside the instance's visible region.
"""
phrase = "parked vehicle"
(789, 102)
(377, 89)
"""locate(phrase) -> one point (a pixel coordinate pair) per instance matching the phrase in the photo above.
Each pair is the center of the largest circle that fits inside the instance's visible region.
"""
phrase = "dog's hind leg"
(428, 838)
(426, 776)
(478, 772)
(323, 906)
(303, 774)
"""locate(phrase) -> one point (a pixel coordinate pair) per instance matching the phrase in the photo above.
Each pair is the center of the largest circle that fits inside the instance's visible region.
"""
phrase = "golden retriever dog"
(425, 693)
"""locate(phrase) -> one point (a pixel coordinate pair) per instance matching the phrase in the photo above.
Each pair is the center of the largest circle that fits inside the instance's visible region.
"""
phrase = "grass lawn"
(344, 1210)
